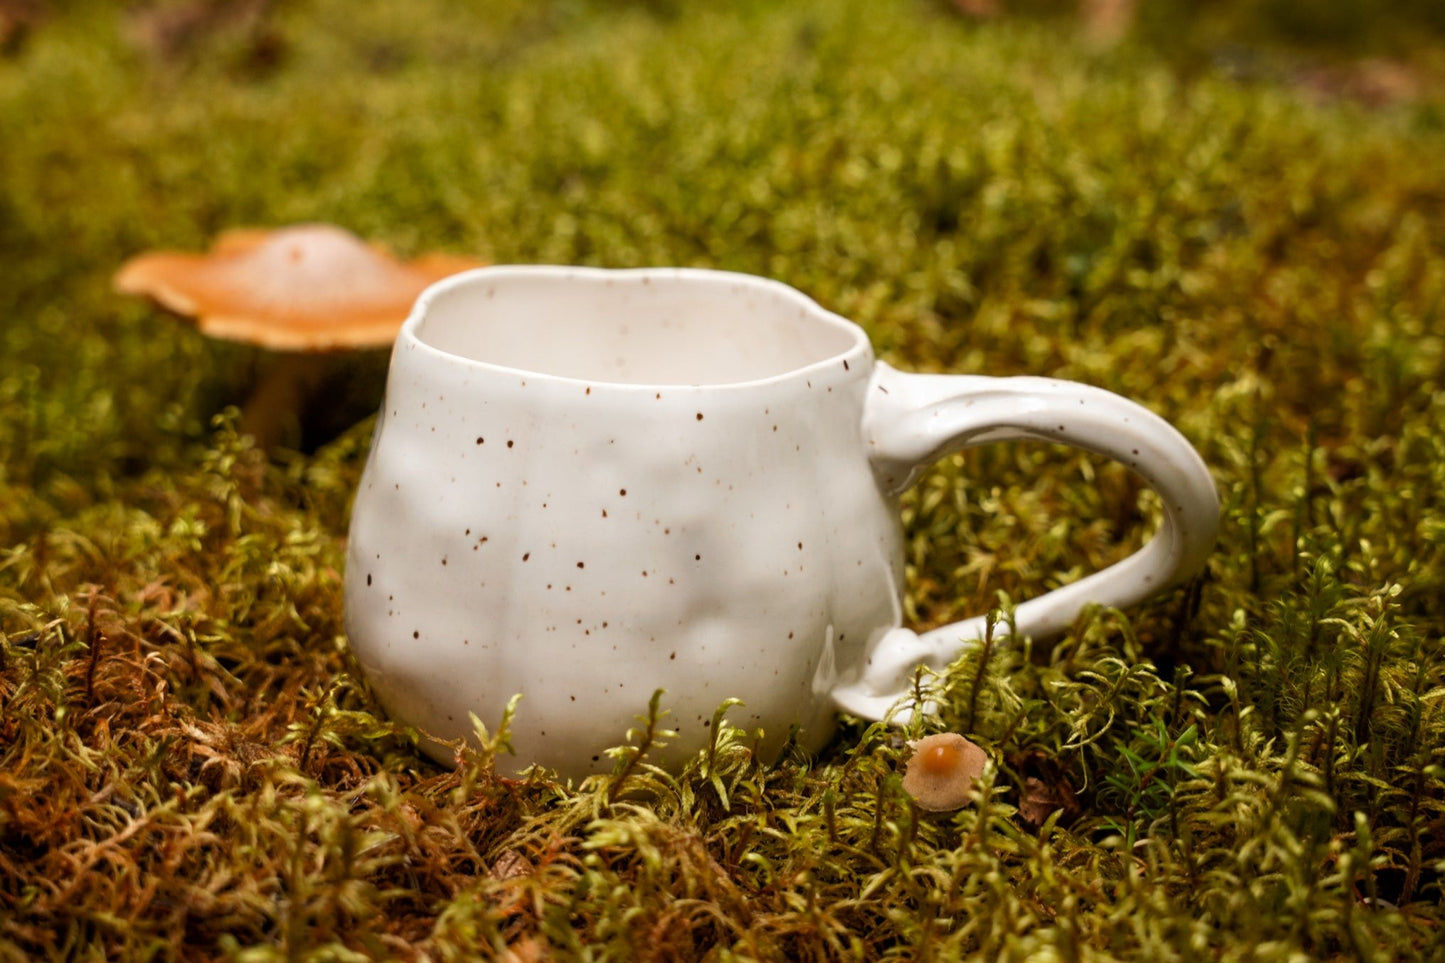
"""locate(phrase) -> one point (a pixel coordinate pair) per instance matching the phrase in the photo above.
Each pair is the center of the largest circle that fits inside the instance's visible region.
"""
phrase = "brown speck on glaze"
(480, 439)
(581, 565)
(845, 364)
(416, 634)
(526, 555)
(368, 578)
(604, 513)
(589, 390)
(510, 443)
(699, 416)
(622, 492)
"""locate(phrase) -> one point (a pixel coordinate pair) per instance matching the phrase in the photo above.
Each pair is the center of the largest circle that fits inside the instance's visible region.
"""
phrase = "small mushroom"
(311, 287)
(301, 290)
(942, 770)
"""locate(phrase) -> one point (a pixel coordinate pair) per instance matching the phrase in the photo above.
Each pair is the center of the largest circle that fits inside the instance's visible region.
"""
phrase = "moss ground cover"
(1253, 768)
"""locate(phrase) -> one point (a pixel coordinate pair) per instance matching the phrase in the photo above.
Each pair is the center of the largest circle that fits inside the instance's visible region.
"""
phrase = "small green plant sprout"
(1150, 769)
(482, 751)
(629, 758)
(709, 756)
(941, 773)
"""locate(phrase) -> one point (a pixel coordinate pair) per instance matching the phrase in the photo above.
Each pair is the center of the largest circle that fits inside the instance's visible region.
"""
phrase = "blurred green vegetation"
(1338, 27)
(1195, 217)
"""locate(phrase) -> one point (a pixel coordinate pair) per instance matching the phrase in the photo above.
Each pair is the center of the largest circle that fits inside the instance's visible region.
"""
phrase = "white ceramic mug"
(586, 485)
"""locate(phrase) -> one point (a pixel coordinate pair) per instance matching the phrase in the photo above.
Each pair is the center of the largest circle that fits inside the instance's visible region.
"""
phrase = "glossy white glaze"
(587, 485)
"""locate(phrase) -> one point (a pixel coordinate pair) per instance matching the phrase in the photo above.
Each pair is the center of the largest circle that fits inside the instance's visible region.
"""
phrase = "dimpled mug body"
(655, 482)
(587, 485)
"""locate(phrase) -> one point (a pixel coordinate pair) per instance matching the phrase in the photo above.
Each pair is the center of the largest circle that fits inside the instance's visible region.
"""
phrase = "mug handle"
(911, 420)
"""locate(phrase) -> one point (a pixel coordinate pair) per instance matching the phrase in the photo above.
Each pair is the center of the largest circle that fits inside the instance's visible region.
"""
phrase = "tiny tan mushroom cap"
(311, 287)
(942, 770)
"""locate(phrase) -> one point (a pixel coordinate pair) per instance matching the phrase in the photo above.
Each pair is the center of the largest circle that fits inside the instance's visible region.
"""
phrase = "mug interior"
(651, 326)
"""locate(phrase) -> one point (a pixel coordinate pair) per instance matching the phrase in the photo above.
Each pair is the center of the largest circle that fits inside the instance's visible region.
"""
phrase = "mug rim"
(860, 349)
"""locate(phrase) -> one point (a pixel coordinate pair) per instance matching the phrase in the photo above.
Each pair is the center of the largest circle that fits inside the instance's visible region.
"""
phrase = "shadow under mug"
(586, 485)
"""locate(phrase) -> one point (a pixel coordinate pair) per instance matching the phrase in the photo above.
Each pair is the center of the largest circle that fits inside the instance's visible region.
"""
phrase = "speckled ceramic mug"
(587, 485)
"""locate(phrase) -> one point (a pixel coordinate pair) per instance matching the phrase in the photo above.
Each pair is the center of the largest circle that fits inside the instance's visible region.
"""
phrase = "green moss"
(188, 767)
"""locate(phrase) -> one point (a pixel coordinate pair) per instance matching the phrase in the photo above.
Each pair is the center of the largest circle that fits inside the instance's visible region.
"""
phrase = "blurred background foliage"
(910, 165)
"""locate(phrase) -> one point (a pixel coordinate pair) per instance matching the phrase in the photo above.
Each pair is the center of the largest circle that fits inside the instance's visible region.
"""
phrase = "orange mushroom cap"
(942, 770)
(310, 287)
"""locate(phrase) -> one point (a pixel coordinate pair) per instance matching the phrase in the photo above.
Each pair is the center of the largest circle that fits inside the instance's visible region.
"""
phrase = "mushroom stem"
(273, 413)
